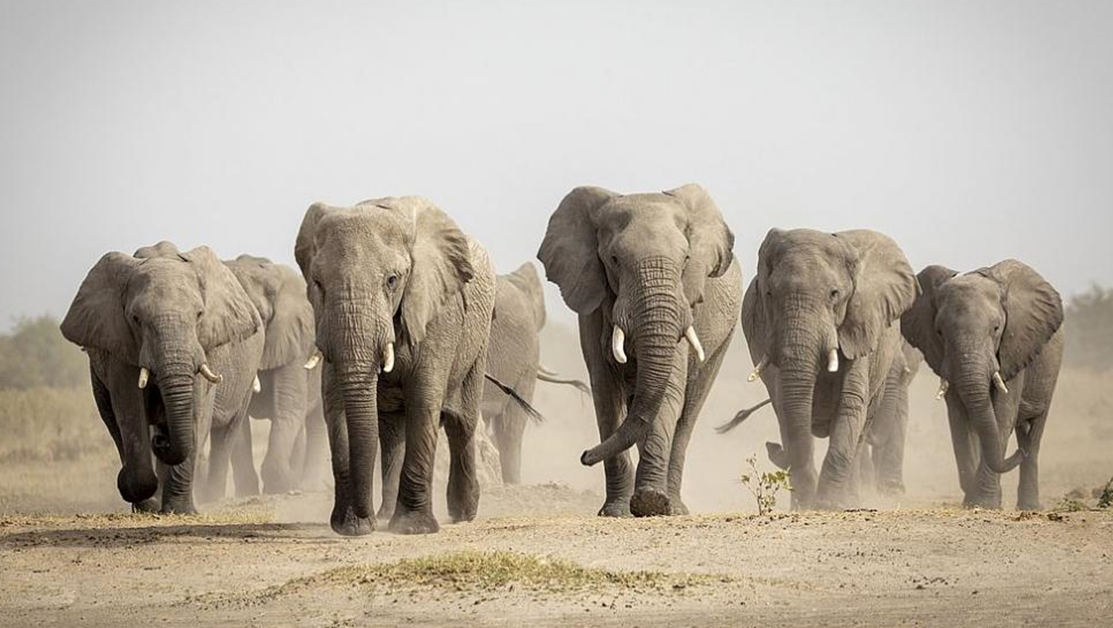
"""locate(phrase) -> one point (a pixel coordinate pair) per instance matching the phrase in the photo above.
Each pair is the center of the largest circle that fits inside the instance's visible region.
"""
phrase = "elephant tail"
(545, 375)
(530, 411)
(740, 417)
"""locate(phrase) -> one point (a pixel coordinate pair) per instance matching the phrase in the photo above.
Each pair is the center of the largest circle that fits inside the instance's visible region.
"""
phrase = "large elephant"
(881, 461)
(645, 272)
(819, 318)
(994, 338)
(289, 393)
(173, 344)
(402, 300)
(514, 358)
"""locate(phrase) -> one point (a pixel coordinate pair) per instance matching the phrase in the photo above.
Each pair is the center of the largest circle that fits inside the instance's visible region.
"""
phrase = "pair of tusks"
(618, 342)
(944, 385)
(832, 365)
(205, 371)
(387, 365)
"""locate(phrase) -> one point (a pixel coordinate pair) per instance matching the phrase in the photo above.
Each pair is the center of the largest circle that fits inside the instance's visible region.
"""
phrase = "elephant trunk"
(656, 332)
(358, 386)
(177, 397)
(973, 389)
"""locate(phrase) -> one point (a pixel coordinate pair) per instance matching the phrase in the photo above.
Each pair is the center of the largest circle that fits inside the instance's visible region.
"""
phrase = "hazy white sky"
(968, 131)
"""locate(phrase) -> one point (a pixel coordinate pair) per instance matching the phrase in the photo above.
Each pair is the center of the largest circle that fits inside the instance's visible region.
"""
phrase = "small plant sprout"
(764, 485)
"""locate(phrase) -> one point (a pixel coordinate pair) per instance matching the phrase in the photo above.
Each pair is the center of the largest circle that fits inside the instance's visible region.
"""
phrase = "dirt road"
(242, 566)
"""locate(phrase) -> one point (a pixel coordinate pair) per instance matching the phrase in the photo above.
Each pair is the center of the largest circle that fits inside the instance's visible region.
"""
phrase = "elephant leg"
(244, 477)
(836, 482)
(890, 428)
(1028, 436)
(413, 512)
(392, 443)
(289, 387)
(510, 426)
(694, 397)
(316, 448)
(864, 467)
(124, 416)
(297, 456)
(342, 519)
(463, 479)
(610, 407)
(220, 454)
(177, 487)
(651, 482)
(964, 443)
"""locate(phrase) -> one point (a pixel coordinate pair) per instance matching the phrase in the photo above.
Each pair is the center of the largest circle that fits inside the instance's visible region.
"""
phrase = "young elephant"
(402, 301)
(289, 394)
(173, 344)
(645, 272)
(819, 319)
(514, 357)
(993, 336)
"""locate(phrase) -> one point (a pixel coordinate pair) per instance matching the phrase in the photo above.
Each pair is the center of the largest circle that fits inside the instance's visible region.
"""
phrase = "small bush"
(34, 354)
(1105, 500)
(764, 486)
(50, 425)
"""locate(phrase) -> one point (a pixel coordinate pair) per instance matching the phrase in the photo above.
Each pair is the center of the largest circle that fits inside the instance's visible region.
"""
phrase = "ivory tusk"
(144, 375)
(256, 385)
(833, 361)
(388, 358)
(944, 385)
(1000, 383)
(618, 339)
(208, 374)
(756, 373)
(693, 340)
(313, 360)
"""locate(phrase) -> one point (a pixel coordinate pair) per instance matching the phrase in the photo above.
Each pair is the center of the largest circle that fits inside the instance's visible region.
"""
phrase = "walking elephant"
(402, 301)
(173, 344)
(881, 460)
(645, 272)
(831, 301)
(514, 357)
(289, 394)
(994, 338)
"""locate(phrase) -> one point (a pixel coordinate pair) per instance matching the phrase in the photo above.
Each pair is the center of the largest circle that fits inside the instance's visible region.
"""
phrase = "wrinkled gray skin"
(170, 313)
(881, 461)
(1003, 319)
(651, 265)
(815, 293)
(514, 358)
(289, 395)
(397, 274)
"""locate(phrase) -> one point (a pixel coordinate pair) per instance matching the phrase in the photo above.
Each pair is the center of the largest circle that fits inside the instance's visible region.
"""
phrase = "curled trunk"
(177, 397)
(975, 395)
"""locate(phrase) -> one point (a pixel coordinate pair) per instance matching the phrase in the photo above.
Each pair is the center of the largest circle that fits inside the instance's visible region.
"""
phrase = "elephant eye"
(199, 314)
(835, 294)
(392, 281)
(614, 258)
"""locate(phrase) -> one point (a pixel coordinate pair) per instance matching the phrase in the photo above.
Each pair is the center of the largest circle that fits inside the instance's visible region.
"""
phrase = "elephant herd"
(397, 326)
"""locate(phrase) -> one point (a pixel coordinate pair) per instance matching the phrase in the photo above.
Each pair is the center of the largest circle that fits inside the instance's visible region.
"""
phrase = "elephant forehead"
(969, 295)
(165, 283)
(364, 228)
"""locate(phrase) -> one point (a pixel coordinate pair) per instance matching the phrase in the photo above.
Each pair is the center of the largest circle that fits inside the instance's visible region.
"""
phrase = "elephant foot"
(678, 507)
(345, 522)
(146, 506)
(414, 522)
(136, 487)
(386, 512)
(777, 455)
(890, 488)
(183, 508)
(464, 512)
(617, 508)
(649, 502)
(982, 502)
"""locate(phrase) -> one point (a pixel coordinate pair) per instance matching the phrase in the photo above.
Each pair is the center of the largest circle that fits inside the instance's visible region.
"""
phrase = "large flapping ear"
(305, 247)
(570, 250)
(96, 317)
(228, 314)
(442, 264)
(278, 293)
(917, 325)
(525, 278)
(1033, 313)
(884, 287)
(710, 241)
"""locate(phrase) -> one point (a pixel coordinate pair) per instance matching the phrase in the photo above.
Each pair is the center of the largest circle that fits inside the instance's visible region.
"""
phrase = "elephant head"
(377, 274)
(643, 260)
(525, 279)
(162, 311)
(818, 296)
(978, 331)
(278, 293)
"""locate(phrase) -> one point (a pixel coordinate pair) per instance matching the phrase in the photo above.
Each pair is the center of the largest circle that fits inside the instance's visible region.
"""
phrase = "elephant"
(514, 358)
(994, 337)
(828, 300)
(653, 280)
(402, 302)
(173, 344)
(881, 461)
(289, 393)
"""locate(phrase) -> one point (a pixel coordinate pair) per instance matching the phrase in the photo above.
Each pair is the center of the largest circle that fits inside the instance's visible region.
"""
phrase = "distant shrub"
(50, 425)
(1089, 329)
(34, 354)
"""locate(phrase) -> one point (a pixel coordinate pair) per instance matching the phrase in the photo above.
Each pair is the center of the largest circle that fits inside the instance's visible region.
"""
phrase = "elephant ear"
(1033, 313)
(278, 293)
(570, 250)
(884, 288)
(710, 241)
(917, 325)
(525, 278)
(305, 247)
(754, 323)
(442, 264)
(96, 317)
(228, 314)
